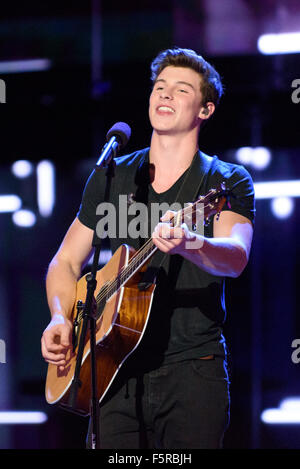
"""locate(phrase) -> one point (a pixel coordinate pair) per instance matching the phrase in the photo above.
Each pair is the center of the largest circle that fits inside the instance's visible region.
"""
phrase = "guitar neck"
(143, 255)
(211, 204)
(138, 260)
(134, 264)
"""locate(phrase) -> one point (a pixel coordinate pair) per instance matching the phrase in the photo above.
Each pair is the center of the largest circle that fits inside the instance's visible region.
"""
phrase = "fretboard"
(134, 264)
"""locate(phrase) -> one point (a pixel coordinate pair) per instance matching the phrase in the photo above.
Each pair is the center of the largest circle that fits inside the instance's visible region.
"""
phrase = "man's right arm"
(63, 274)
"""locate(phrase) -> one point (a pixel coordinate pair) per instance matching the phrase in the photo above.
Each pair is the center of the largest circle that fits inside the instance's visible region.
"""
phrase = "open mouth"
(165, 109)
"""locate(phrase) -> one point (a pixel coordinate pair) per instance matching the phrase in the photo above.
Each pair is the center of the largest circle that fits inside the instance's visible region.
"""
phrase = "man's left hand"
(171, 240)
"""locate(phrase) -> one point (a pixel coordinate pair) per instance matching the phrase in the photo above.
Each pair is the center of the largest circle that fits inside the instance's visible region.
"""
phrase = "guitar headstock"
(214, 201)
(208, 205)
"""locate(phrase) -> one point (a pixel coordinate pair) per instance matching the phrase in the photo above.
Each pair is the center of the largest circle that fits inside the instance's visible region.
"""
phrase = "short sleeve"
(93, 194)
(242, 198)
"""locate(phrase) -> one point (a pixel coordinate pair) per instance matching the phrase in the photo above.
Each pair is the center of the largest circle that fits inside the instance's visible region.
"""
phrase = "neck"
(172, 153)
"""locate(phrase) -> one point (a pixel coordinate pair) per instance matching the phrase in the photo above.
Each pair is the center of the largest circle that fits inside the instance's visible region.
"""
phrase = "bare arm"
(225, 254)
(63, 273)
(65, 268)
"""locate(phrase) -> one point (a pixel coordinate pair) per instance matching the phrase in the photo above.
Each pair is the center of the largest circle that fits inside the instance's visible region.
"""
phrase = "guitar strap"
(190, 188)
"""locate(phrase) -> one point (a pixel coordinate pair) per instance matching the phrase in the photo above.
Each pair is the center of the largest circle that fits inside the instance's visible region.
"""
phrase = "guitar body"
(118, 332)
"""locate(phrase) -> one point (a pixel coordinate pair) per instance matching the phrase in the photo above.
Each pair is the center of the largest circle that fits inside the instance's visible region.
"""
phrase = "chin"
(164, 131)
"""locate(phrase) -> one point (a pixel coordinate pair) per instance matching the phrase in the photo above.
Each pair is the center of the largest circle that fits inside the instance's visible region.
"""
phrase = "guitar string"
(111, 285)
(139, 255)
(114, 284)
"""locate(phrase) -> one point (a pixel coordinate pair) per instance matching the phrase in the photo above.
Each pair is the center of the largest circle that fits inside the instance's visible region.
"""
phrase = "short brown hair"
(211, 86)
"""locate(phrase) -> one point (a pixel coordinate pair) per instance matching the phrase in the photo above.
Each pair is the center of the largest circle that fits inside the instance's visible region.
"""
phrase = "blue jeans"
(177, 406)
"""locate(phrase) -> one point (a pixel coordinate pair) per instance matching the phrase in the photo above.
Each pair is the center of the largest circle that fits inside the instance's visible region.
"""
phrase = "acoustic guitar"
(123, 311)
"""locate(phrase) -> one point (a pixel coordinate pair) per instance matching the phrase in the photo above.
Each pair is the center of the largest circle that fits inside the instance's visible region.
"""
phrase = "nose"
(166, 93)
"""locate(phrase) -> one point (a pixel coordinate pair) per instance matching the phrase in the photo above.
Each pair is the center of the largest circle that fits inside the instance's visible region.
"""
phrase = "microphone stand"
(106, 160)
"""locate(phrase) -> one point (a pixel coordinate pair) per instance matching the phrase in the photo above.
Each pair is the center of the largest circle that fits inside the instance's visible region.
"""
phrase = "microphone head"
(121, 131)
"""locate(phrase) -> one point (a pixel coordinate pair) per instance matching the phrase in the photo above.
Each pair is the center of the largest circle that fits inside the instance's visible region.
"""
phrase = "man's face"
(176, 101)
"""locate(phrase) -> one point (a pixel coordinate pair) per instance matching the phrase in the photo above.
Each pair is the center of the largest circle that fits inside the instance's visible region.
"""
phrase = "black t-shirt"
(188, 309)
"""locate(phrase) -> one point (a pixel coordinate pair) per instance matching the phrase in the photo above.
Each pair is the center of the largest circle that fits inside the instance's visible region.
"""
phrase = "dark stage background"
(99, 54)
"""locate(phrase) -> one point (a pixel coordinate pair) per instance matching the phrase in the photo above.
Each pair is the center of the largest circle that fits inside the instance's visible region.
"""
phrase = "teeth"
(166, 108)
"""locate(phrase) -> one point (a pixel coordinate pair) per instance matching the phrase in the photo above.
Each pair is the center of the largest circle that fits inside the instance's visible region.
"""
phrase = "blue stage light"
(257, 157)
(24, 218)
(273, 189)
(281, 43)
(21, 66)
(10, 203)
(22, 417)
(22, 168)
(288, 412)
(282, 207)
(45, 187)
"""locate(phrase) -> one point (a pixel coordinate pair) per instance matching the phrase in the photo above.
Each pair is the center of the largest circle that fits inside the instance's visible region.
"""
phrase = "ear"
(207, 110)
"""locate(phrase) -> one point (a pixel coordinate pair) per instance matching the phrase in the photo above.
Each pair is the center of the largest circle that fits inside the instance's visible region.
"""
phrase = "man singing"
(172, 392)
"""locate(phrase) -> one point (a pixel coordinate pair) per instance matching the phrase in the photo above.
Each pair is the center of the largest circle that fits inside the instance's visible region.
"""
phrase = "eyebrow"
(180, 82)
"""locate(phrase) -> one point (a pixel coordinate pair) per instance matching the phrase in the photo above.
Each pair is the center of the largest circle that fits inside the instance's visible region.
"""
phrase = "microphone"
(117, 137)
